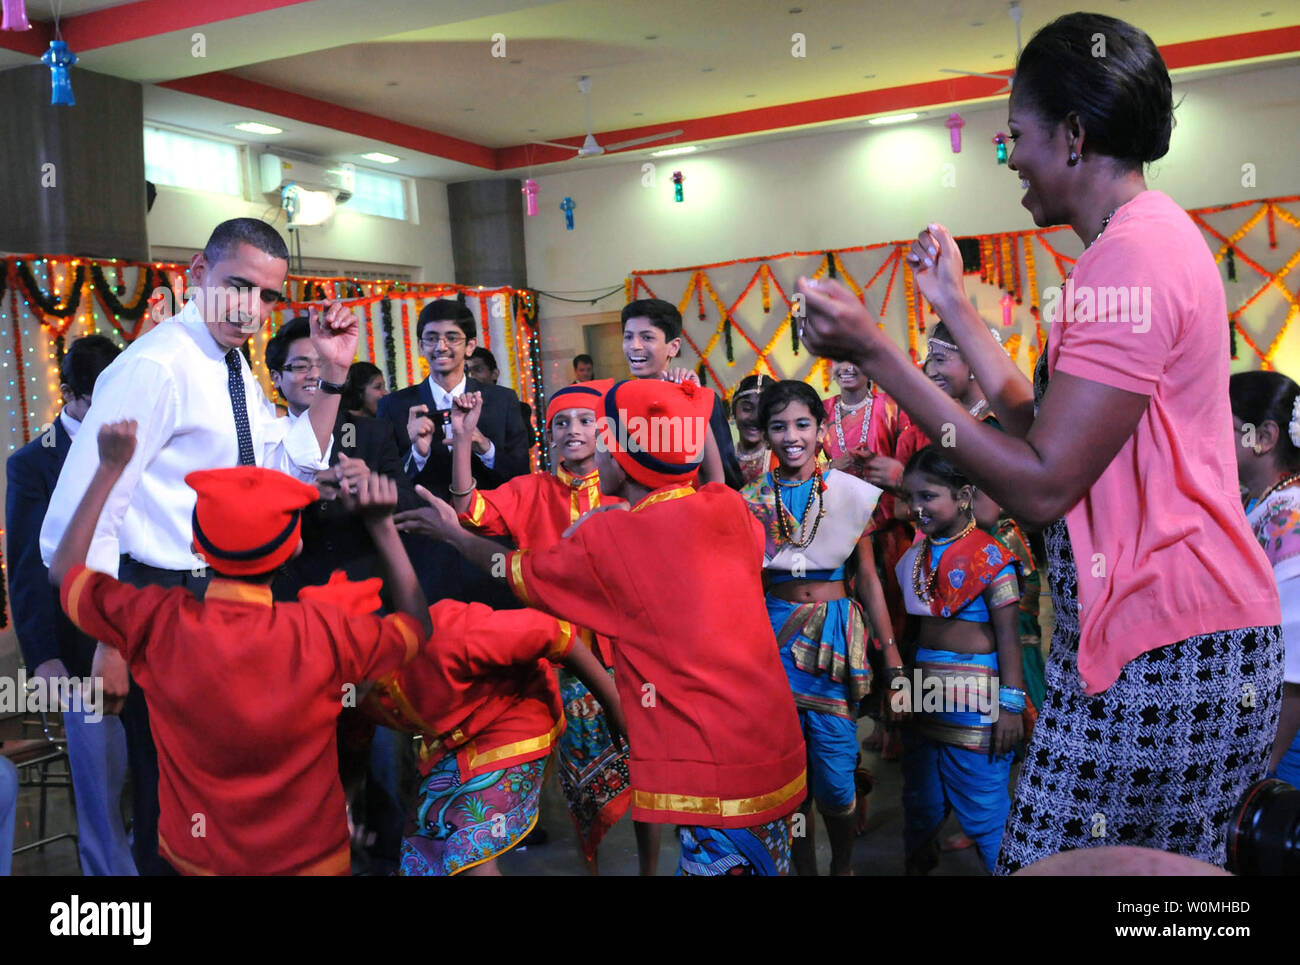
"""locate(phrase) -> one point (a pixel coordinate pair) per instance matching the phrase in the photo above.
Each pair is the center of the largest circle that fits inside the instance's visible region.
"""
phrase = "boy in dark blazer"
(421, 425)
(52, 647)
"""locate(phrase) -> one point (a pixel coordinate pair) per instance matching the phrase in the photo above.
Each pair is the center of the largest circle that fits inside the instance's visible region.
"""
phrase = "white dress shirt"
(69, 423)
(174, 382)
(442, 399)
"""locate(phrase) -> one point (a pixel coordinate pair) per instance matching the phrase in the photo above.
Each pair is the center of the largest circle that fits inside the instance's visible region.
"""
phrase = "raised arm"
(376, 501)
(1080, 427)
(938, 266)
(465, 412)
(334, 337)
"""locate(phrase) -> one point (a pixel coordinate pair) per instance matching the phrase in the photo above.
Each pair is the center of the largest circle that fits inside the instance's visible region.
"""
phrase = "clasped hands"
(465, 411)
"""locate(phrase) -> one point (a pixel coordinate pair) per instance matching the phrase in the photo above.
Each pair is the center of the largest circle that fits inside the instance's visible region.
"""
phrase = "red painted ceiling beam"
(152, 18)
(230, 89)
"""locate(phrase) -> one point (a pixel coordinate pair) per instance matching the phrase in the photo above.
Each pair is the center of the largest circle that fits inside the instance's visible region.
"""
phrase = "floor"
(879, 851)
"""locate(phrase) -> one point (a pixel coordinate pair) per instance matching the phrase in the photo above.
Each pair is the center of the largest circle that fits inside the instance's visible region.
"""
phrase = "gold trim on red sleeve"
(477, 510)
(238, 592)
(410, 635)
(515, 572)
(563, 641)
(75, 587)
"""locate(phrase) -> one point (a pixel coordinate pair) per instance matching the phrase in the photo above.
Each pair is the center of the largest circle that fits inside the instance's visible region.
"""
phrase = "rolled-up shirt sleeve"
(290, 445)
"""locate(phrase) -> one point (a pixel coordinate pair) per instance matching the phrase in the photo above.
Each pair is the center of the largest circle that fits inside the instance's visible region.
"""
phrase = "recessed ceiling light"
(516, 61)
(706, 70)
(532, 130)
(977, 23)
(796, 9)
(381, 157)
(469, 110)
(254, 127)
(837, 46)
(674, 150)
(391, 83)
(893, 118)
(637, 113)
(1267, 13)
(751, 95)
(651, 36)
(868, 76)
(998, 56)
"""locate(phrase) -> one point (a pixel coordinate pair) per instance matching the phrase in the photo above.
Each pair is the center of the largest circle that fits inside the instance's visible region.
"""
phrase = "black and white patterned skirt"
(1157, 760)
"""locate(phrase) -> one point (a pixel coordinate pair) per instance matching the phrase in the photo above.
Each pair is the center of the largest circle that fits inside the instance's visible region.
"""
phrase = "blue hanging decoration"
(1000, 140)
(1232, 275)
(678, 178)
(59, 58)
(567, 207)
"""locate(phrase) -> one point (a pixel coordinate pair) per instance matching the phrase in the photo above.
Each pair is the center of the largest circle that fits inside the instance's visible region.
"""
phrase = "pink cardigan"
(1161, 542)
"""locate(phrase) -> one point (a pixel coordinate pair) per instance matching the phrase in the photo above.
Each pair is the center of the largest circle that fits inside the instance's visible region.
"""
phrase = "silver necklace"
(840, 408)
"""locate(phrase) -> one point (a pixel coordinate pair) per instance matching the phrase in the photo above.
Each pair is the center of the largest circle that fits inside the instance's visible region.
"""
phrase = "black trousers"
(141, 755)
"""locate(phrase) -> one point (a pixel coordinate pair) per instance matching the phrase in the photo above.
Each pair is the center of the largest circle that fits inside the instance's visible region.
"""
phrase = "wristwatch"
(331, 388)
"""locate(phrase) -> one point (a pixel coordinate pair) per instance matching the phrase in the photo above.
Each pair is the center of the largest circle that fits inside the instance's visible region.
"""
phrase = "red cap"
(580, 395)
(246, 519)
(655, 429)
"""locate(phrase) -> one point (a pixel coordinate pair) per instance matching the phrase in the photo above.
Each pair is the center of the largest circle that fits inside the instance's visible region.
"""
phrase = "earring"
(1074, 158)
(972, 377)
(1259, 450)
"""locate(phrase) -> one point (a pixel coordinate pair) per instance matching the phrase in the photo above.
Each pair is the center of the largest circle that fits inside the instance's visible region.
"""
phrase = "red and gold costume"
(244, 695)
(481, 687)
(877, 425)
(711, 722)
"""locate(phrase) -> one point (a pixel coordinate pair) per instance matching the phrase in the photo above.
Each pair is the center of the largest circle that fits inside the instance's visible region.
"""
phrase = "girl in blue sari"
(967, 687)
(813, 521)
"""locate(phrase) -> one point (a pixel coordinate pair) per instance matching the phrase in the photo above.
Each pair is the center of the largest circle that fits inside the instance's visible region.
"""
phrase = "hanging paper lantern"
(678, 178)
(567, 207)
(1000, 140)
(530, 197)
(59, 58)
(955, 124)
(15, 16)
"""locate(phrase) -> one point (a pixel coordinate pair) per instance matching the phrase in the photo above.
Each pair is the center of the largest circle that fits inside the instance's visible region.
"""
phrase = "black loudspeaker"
(970, 254)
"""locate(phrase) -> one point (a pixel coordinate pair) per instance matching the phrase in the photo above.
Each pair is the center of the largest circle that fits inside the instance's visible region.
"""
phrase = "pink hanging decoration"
(15, 15)
(955, 124)
(530, 197)
(1007, 303)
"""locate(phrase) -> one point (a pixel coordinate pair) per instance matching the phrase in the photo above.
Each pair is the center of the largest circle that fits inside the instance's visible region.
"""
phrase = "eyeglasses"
(302, 367)
(452, 339)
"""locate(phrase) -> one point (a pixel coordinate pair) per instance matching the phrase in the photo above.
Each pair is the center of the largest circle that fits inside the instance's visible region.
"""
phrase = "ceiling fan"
(1015, 13)
(589, 146)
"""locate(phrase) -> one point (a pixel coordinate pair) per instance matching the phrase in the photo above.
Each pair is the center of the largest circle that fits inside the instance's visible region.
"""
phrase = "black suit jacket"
(443, 572)
(333, 538)
(501, 421)
(44, 630)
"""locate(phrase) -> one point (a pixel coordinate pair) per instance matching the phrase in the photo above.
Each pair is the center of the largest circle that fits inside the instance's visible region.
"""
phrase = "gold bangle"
(472, 486)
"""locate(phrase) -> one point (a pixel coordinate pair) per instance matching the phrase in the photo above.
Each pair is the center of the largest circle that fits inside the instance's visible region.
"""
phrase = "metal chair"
(36, 759)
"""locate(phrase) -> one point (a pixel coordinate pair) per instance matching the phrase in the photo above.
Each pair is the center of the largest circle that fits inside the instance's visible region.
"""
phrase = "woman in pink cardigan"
(1165, 671)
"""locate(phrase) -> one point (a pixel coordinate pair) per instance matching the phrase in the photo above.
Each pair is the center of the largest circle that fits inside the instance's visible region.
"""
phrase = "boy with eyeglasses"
(420, 416)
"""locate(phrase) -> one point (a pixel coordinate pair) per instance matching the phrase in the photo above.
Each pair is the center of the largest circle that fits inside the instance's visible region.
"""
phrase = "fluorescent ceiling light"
(381, 157)
(893, 118)
(674, 150)
(255, 127)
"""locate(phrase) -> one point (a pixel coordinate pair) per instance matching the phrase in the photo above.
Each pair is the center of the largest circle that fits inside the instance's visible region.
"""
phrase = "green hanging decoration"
(794, 333)
(726, 338)
(1232, 275)
(702, 373)
(58, 352)
(831, 270)
(1232, 337)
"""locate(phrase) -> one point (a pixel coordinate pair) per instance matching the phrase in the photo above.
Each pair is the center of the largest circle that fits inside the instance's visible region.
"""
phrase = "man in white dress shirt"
(197, 406)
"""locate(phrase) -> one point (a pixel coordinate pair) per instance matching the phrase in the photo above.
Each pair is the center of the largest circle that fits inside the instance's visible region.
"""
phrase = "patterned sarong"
(761, 850)
(593, 769)
(460, 824)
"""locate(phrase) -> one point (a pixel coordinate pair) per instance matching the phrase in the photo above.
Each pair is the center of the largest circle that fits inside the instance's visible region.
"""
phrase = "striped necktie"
(240, 406)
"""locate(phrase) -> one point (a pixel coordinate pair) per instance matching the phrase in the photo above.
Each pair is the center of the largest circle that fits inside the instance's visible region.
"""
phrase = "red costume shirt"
(243, 699)
(677, 586)
(535, 510)
(480, 687)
